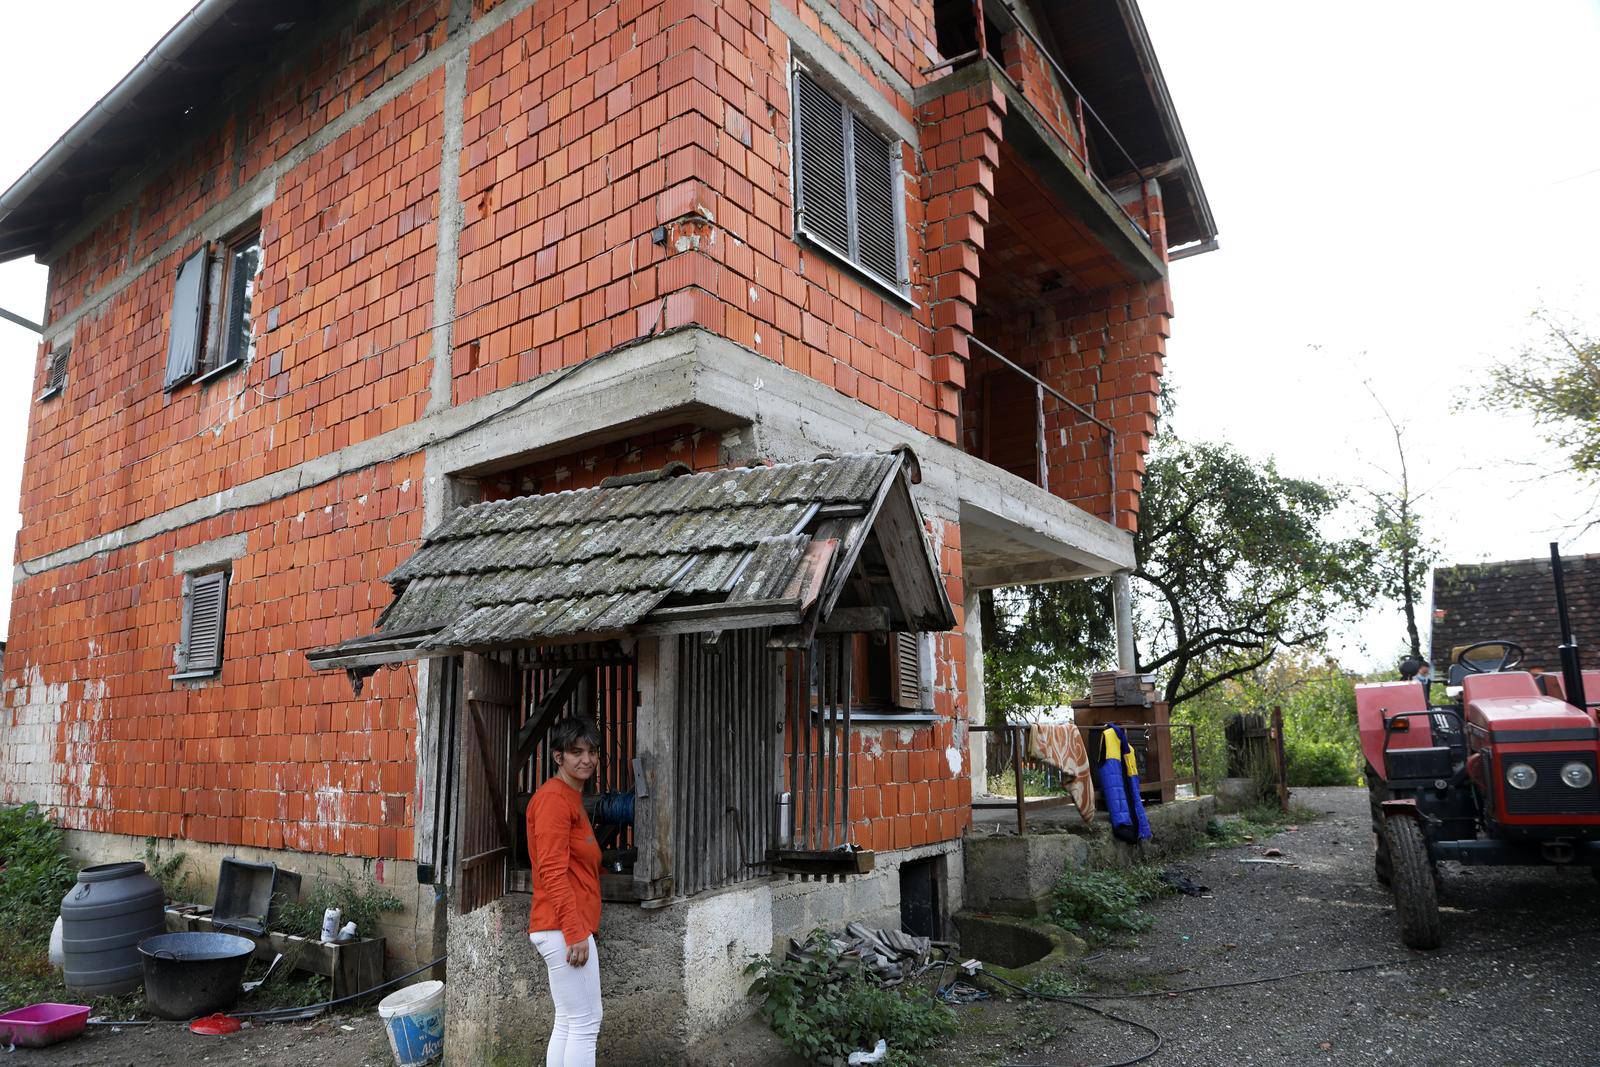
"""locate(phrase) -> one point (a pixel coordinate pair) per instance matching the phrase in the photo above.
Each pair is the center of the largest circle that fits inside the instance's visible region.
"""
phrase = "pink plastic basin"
(39, 1025)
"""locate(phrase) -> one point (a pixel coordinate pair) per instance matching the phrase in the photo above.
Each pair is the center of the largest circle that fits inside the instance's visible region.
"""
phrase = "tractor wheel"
(1416, 897)
(1382, 863)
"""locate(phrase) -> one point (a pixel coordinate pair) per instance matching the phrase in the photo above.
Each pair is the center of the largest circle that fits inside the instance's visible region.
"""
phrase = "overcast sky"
(1398, 187)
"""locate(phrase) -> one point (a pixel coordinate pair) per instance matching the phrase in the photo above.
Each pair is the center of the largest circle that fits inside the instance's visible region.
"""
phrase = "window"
(56, 374)
(847, 184)
(211, 301)
(205, 609)
(891, 676)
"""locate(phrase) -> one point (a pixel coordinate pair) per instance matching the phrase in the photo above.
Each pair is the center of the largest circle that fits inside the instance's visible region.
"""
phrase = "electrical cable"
(1160, 1042)
(287, 1014)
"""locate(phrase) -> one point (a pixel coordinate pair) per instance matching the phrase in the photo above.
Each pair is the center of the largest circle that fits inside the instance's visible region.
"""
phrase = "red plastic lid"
(215, 1025)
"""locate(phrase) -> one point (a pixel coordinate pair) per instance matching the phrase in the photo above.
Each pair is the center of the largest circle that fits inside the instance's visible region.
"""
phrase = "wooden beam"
(655, 765)
(541, 717)
(856, 620)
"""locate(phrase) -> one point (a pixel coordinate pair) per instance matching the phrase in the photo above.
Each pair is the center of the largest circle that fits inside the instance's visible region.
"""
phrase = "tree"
(1233, 565)
(1401, 552)
(1041, 641)
(1558, 384)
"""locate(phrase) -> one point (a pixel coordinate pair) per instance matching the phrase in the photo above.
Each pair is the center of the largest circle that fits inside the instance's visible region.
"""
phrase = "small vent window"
(205, 610)
(891, 676)
(847, 181)
(56, 373)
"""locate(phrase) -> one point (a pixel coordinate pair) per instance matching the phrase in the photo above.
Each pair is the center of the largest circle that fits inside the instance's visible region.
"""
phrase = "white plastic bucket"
(414, 1018)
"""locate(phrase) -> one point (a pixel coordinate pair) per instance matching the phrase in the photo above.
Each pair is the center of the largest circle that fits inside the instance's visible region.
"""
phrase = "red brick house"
(328, 279)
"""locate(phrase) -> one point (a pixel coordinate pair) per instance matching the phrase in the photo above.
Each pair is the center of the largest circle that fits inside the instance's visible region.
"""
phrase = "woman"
(566, 892)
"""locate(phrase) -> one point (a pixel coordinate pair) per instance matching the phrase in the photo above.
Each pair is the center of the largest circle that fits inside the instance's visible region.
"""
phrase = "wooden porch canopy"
(833, 544)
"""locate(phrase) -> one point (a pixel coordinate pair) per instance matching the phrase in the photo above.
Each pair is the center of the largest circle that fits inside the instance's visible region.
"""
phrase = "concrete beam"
(688, 376)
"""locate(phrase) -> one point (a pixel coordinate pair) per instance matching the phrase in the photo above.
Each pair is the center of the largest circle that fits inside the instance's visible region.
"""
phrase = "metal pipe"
(1079, 408)
(27, 324)
(1571, 667)
(1122, 611)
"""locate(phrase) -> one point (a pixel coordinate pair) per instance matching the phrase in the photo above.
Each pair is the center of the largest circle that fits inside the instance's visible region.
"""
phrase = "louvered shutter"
(909, 670)
(820, 157)
(56, 377)
(204, 611)
(188, 305)
(877, 247)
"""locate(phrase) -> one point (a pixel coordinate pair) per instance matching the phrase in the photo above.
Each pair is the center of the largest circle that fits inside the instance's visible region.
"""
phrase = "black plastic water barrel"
(103, 918)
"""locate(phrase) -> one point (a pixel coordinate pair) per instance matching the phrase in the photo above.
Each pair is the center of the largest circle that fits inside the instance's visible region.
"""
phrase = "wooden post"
(1016, 763)
(1194, 758)
(1280, 761)
(1039, 440)
(656, 672)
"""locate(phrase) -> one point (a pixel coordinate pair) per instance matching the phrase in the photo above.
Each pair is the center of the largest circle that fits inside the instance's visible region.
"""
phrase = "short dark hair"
(571, 730)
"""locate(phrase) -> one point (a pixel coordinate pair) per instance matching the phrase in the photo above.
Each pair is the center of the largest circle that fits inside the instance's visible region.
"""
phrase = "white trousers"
(576, 992)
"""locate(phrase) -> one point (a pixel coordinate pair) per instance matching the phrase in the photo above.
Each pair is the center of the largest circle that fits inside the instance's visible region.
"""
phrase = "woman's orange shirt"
(566, 863)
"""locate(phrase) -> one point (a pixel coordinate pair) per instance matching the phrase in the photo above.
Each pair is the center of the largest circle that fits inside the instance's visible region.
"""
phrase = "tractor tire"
(1416, 896)
(1382, 862)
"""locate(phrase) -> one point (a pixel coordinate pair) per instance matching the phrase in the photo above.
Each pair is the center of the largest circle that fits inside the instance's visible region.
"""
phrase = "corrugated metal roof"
(601, 559)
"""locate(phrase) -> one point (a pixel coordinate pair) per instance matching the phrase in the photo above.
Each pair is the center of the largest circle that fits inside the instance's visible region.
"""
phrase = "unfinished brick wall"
(270, 753)
(342, 315)
(1040, 86)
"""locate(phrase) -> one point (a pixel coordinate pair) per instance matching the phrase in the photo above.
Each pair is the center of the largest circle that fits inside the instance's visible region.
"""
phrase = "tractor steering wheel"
(1510, 656)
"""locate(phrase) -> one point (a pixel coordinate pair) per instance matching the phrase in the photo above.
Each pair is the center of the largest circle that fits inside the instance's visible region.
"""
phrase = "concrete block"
(1014, 874)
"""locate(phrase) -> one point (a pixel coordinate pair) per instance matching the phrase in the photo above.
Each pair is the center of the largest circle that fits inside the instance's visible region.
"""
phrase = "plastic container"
(330, 923)
(248, 894)
(113, 907)
(39, 1025)
(414, 1018)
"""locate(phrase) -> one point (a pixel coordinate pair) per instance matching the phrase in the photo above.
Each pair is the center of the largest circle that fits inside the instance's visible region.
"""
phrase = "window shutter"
(909, 671)
(877, 240)
(188, 304)
(204, 612)
(56, 375)
(820, 158)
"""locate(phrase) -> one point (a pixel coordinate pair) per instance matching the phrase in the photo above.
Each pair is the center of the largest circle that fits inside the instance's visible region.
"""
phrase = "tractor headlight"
(1577, 775)
(1521, 776)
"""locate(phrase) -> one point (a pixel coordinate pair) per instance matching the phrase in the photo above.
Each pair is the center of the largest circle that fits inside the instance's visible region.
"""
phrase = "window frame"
(221, 306)
(58, 356)
(899, 706)
(183, 671)
(899, 288)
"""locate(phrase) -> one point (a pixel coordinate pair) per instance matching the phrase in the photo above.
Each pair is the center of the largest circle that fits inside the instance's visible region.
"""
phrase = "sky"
(1398, 187)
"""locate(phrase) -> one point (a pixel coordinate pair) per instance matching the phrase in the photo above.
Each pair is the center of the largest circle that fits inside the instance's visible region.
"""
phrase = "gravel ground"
(352, 1040)
(1515, 983)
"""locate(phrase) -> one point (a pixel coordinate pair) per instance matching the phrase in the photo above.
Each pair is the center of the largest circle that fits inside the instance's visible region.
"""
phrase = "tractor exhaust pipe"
(1571, 672)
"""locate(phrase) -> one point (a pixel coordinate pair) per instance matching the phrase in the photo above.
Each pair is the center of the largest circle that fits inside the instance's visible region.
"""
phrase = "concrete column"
(1122, 601)
(977, 752)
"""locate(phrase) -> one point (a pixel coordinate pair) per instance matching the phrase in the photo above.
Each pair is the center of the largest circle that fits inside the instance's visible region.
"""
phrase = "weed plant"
(823, 1008)
(1096, 904)
(360, 902)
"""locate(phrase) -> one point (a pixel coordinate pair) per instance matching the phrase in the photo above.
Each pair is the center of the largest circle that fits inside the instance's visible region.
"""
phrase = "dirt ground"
(353, 1040)
(1515, 984)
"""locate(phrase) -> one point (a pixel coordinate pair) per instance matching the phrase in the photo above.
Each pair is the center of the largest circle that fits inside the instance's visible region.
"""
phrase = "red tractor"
(1504, 773)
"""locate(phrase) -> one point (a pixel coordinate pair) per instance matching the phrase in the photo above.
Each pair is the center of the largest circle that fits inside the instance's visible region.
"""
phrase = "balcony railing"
(1083, 111)
(1058, 439)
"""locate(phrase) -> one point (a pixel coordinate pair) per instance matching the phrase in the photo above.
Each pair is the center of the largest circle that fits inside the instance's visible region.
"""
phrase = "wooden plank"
(823, 862)
(544, 714)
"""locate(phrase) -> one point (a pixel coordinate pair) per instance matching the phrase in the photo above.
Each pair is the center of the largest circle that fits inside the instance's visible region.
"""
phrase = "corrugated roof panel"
(771, 567)
(514, 570)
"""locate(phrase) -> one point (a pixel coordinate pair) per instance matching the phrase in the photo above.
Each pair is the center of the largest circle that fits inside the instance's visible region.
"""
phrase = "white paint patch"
(952, 756)
(722, 932)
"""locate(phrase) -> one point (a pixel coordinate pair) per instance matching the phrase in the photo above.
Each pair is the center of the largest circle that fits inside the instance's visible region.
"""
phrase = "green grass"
(1034, 784)
(1255, 823)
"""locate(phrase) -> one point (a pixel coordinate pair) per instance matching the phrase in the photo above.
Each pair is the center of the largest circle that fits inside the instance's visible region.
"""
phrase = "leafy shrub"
(823, 1008)
(363, 903)
(34, 873)
(1096, 903)
(1320, 763)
